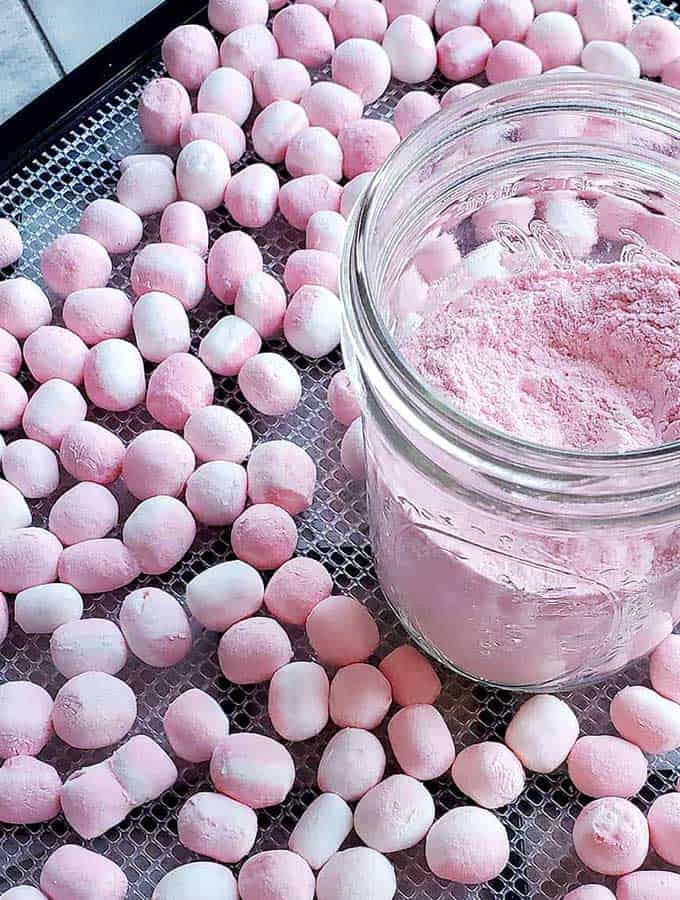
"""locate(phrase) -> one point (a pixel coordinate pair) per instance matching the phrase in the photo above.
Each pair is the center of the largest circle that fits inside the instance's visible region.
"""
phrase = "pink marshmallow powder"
(394, 815)
(358, 866)
(280, 79)
(276, 126)
(410, 47)
(412, 110)
(228, 345)
(358, 19)
(326, 231)
(421, 742)
(194, 725)
(467, 845)
(248, 48)
(184, 223)
(226, 16)
(646, 719)
(363, 67)
(161, 326)
(13, 400)
(88, 645)
(114, 376)
(301, 197)
(23, 307)
(31, 467)
(360, 697)
(276, 875)
(15, 511)
(52, 352)
(89, 452)
(117, 228)
(606, 766)
(252, 769)
(217, 433)
(178, 387)
(542, 733)
(93, 710)
(611, 836)
(28, 557)
(190, 54)
(296, 588)
(202, 172)
(98, 314)
(647, 886)
(663, 819)
(366, 144)
(261, 301)
(342, 631)
(232, 258)
(252, 195)
(155, 627)
(163, 107)
(95, 567)
(216, 493)
(74, 873)
(217, 826)
(450, 14)
(74, 262)
(270, 384)
(172, 270)
(25, 719)
(314, 151)
(298, 701)
(321, 829)
(11, 245)
(215, 127)
(224, 594)
(147, 187)
(85, 512)
(159, 533)
(252, 650)
(351, 764)
(157, 462)
(664, 668)
(611, 20)
(506, 20)
(281, 473)
(489, 774)
(556, 39)
(51, 411)
(509, 60)
(226, 92)
(462, 52)
(10, 353)
(331, 106)
(304, 34)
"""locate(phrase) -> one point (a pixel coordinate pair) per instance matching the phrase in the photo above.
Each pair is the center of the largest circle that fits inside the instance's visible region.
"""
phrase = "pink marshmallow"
(88, 645)
(360, 697)
(410, 47)
(342, 400)
(303, 33)
(265, 536)
(590, 892)
(450, 14)
(610, 58)
(51, 411)
(394, 815)
(232, 258)
(25, 719)
(261, 301)
(457, 92)
(96, 567)
(301, 197)
(215, 127)
(202, 172)
(32, 468)
(314, 151)
(270, 384)
(566, 6)
(647, 886)
(421, 742)
(226, 16)
(28, 557)
(216, 493)
(422, 9)
(298, 701)
(510, 60)
(321, 829)
(194, 725)
(276, 126)
(117, 228)
(133, 159)
(89, 452)
(611, 836)
(467, 845)
(352, 762)
(184, 223)
(11, 245)
(248, 48)
(342, 631)
(155, 627)
(170, 269)
(98, 314)
(15, 511)
(143, 769)
(114, 375)
(147, 187)
(93, 710)
(506, 20)
(178, 387)
(215, 432)
(462, 52)
(281, 473)
(52, 352)
(161, 326)
(352, 452)
(85, 512)
(252, 769)
(23, 892)
(331, 106)
(542, 733)
(606, 766)
(157, 462)
(228, 345)
(190, 54)
(489, 774)
(23, 307)
(366, 144)
(217, 827)
(224, 594)
(74, 262)
(227, 92)
(517, 211)
(556, 39)
(663, 819)
(276, 874)
(44, 608)
(296, 588)
(363, 67)
(280, 79)
(646, 719)
(251, 196)
(163, 107)
(13, 402)
(326, 231)
(670, 74)
(358, 19)
(357, 866)
(159, 533)
(311, 267)
(412, 110)
(664, 668)
(10, 353)
(436, 258)
(605, 20)
(74, 873)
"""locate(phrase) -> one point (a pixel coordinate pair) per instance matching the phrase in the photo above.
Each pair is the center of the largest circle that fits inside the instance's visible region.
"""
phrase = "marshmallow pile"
(198, 467)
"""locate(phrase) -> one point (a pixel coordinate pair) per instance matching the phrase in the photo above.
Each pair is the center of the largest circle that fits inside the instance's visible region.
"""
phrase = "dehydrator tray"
(48, 173)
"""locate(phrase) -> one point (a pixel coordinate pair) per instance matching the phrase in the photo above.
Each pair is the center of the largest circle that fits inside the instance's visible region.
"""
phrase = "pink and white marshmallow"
(194, 725)
(25, 719)
(216, 493)
(84, 513)
(74, 873)
(158, 533)
(155, 627)
(88, 645)
(217, 826)
(224, 594)
(298, 701)
(218, 433)
(178, 387)
(252, 769)
(89, 452)
(98, 314)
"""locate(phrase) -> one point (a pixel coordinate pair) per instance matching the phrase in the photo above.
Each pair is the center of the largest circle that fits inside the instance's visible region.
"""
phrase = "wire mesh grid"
(46, 197)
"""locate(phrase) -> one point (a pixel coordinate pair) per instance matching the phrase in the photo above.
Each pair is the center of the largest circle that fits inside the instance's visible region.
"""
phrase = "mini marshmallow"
(411, 676)
(253, 649)
(98, 314)
(590, 892)
(611, 836)
(232, 258)
(421, 742)
(663, 819)
(303, 33)
(352, 453)
(270, 384)
(326, 231)
(542, 733)
(457, 92)
(218, 128)
(252, 195)
(10, 353)
(252, 769)
(412, 110)
(311, 267)
(89, 452)
(248, 48)
(394, 815)
(74, 873)
(647, 719)
(422, 9)
(88, 645)
(32, 468)
(352, 762)
(190, 54)
(184, 223)
(202, 173)
(467, 845)
(281, 473)
(44, 608)
(14, 509)
(194, 725)
(172, 270)
(23, 892)
(226, 16)
(276, 875)
(4, 618)
(28, 557)
(143, 769)
(450, 14)
(179, 386)
(489, 774)
(280, 79)
(463, 52)
(647, 886)
(366, 144)
(155, 627)
(301, 197)
(207, 880)
(360, 697)
(556, 39)
(574, 221)
(13, 401)
(439, 256)
(606, 766)
(617, 213)
(264, 536)
(29, 791)
(216, 493)
(52, 352)
(157, 462)
(159, 533)
(410, 47)
(517, 211)
(331, 106)
(11, 245)
(215, 432)
(114, 375)
(25, 719)
(321, 830)
(611, 20)
(664, 668)
(509, 61)
(85, 512)
(344, 871)
(133, 159)
(224, 594)
(147, 187)
(51, 411)
(74, 262)
(342, 631)
(23, 307)
(506, 20)
(314, 151)
(276, 126)
(93, 710)
(96, 567)
(116, 227)
(342, 400)
(296, 588)
(567, 6)
(163, 107)
(670, 74)
(363, 67)
(228, 345)
(228, 92)
(358, 19)
(161, 326)
(261, 301)
(609, 58)
(298, 701)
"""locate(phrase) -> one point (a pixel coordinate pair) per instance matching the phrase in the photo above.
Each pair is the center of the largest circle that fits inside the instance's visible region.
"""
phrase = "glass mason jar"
(516, 564)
